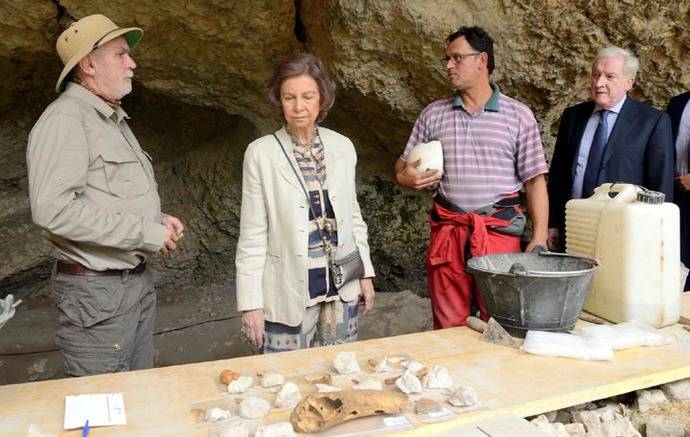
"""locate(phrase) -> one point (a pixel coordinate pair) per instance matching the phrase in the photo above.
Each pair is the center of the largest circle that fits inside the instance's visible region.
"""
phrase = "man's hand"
(683, 182)
(407, 175)
(253, 326)
(554, 240)
(174, 224)
(535, 243)
(366, 286)
(174, 230)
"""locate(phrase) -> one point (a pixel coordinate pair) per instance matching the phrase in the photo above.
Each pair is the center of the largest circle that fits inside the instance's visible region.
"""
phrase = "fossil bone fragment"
(254, 408)
(369, 384)
(380, 366)
(240, 385)
(409, 383)
(227, 376)
(426, 406)
(216, 414)
(464, 396)
(321, 411)
(437, 377)
(325, 388)
(280, 429)
(288, 396)
(271, 379)
(346, 363)
(321, 378)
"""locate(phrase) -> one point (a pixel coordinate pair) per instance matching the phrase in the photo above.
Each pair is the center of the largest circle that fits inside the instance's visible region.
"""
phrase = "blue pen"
(85, 429)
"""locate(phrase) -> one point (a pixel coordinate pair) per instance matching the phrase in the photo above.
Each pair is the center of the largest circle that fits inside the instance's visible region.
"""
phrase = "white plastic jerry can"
(635, 235)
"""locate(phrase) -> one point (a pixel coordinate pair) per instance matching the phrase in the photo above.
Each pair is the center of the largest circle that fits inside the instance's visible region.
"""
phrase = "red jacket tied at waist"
(448, 225)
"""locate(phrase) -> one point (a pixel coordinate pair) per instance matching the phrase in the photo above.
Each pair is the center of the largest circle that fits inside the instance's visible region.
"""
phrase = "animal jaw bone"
(321, 411)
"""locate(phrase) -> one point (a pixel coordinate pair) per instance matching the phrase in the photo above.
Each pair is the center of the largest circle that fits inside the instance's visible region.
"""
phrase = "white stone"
(288, 396)
(620, 427)
(369, 384)
(345, 363)
(575, 430)
(664, 427)
(383, 366)
(647, 399)
(412, 365)
(240, 385)
(409, 383)
(280, 429)
(216, 414)
(677, 391)
(430, 156)
(254, 408)
(551, 429)
(271, 379)
(437, 377)
(465, 396)
(325, 388)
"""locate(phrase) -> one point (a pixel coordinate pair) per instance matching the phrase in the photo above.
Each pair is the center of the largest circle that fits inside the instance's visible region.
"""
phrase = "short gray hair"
(631, 65)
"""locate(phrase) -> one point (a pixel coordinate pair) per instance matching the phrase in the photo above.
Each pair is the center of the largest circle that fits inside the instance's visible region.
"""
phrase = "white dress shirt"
(586, 143)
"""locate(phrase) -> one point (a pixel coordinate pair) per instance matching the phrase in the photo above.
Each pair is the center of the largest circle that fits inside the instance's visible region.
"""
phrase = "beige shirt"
(91, 186)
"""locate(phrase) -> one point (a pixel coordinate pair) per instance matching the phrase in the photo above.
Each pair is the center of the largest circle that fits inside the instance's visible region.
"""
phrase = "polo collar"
(491, 104)
(79, 92)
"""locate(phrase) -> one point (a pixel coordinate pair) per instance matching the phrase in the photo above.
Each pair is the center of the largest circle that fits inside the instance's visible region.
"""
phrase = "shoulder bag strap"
(325, 240)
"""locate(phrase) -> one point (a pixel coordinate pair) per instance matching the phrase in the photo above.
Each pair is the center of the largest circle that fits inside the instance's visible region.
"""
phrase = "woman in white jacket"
(285, 289)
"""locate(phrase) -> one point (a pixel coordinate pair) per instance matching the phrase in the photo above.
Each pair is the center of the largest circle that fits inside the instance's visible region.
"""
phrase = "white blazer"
(271, 258)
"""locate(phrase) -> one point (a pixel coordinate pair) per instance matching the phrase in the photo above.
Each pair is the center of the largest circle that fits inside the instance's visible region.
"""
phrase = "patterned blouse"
(310, 159)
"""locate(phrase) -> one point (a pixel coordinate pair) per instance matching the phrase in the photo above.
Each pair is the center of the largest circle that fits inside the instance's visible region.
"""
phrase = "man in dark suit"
(611, 138)
(679, 110)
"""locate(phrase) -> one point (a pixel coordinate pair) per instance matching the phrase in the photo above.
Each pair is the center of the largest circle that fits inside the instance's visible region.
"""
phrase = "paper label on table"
(395, 421)
(99, 409)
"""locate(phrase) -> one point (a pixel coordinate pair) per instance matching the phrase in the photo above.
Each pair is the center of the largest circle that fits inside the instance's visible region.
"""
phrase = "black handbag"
(343, 269)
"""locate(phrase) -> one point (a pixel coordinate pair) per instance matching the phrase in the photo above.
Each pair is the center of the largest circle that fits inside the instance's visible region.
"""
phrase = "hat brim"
(131, 34)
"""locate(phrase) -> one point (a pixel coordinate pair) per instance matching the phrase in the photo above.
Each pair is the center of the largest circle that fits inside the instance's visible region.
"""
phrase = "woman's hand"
(253, 326)
(366, 286)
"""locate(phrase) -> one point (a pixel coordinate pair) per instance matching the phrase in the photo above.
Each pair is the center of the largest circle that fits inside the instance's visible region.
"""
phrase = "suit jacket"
(271, 258)
(675, 110)
(639, 151)
(682, 198)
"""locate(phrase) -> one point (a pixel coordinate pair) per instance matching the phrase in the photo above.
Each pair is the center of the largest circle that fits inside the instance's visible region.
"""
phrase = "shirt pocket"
(124, 174)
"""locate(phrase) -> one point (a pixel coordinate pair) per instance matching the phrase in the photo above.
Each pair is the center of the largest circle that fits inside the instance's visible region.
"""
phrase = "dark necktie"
(596, 153)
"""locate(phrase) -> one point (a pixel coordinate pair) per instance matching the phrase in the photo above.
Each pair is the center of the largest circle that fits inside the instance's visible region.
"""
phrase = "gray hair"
(631, 65)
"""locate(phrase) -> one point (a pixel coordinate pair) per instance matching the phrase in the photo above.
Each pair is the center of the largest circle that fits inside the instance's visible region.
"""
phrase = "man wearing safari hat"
(93, 193)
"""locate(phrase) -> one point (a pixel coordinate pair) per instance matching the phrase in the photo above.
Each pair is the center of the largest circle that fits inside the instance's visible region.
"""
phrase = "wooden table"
(158, 401)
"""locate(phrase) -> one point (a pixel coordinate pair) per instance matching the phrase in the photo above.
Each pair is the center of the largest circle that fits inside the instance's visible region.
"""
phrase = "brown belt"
(80, 270)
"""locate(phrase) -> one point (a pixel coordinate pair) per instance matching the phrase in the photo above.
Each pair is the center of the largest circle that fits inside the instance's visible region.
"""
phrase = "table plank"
(508, 382)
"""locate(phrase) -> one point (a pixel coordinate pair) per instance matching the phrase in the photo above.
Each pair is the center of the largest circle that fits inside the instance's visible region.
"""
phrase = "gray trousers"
(105, 322)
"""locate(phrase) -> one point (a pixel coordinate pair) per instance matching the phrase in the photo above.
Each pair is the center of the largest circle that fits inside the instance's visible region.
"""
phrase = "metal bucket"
(533, 291)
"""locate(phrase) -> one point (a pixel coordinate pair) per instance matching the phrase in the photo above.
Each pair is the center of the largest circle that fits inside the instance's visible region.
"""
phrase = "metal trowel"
(492, 331)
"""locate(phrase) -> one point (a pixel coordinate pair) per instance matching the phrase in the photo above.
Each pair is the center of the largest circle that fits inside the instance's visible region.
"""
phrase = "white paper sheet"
(99, 409)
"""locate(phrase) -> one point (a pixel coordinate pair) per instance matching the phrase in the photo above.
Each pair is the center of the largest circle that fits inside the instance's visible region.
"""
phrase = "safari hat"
(86, 35)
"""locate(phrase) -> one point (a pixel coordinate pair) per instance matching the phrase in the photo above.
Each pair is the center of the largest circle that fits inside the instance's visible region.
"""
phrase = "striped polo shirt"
(486, 156)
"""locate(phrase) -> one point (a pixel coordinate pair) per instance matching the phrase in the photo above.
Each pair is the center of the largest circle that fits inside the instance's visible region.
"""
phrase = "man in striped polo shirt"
(491, 149)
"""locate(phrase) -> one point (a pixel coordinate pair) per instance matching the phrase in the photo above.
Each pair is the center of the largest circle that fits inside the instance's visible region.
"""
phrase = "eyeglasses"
(457, 57)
